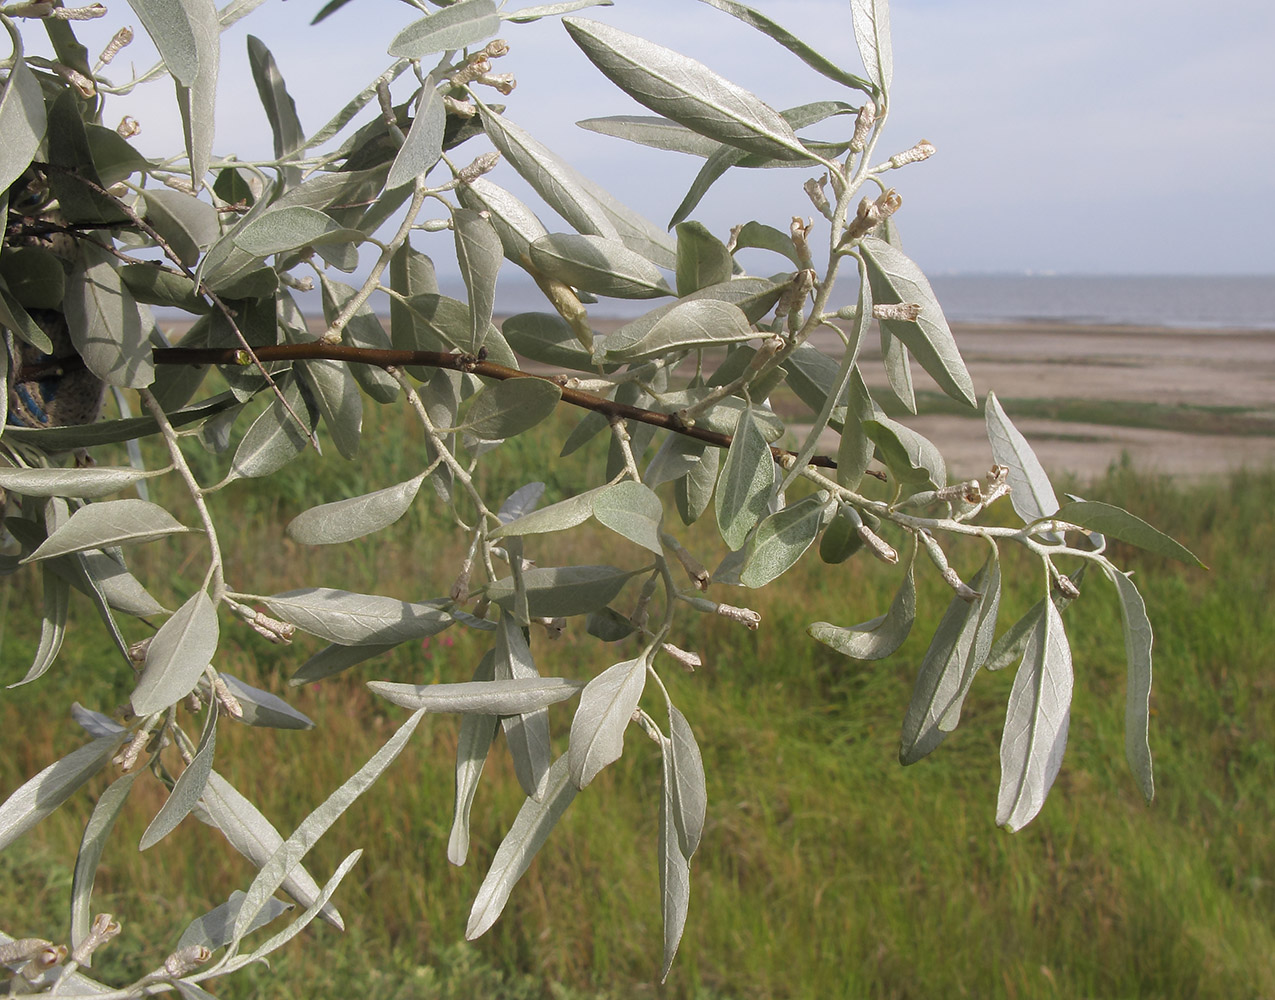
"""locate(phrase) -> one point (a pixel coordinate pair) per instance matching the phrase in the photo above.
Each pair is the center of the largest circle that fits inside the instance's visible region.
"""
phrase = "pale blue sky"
(1095, 136)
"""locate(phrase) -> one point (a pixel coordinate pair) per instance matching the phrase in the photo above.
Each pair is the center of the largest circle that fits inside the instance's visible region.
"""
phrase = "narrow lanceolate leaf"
(1137, 705)
(286, 859)
(685, 90)
(525, 15)
(22, 116)
(607, 703)
(343, 520)
(57, 594)
(197, 99)
(516, 224)
(563, 591)
(531, 828)
(989, 585)
(1115, 522)
(453, 27)
(472, 746)
(496, 697)
(527, 732)
(216, 927)
(1030, 491)
(747, 478)
(505, 409)
(556, 517)
(479, 253)
(110, 522)
(872, 33)
(912, 459)
(548, 175)
(187, 790)
(632, 510)
(1009, 647)
(673, 864)
(702, 259)
(316, 909)
(254, 836)
(690, 790)
(895, 278)
(109, 329)
(658, 133)
(281, 109)
(880, 637)
(820, 64)
(694, 323)
(290, 228)
(350, 619)
(598, 265)
(781, 539)
(39, 796)
(1036, 723)
(96, 832)
(167, 24)
(275, 438)
(178, 655)
(261, 708)
(187, 224)
(423, 145)
(340, 403)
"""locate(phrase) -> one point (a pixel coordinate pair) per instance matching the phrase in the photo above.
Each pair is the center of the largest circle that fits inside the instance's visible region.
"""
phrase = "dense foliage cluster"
(96, 234)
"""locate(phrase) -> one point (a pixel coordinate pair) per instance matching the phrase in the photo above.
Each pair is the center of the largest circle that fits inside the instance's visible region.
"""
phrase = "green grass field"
(826, 869)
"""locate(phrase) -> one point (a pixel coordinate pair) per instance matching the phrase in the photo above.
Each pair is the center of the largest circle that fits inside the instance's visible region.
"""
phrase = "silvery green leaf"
(608, 625)
(673, 863)
(89, 483)
(528, 14)
(167, 24)
(57, 595)
(94, 723)
(363, 330)
(261, 708)
(187, 790)
(840, 540)
(599, 265)
(319, 908)
(692, 323)
(281, 109)
(1114, 522)
(898, 368)
(880, 637)
(515, 696)
(354, 517)
(350, 619)
(636, 231)
(548, 175)
(16, 318)
(68, 145)
(254, 836)
(339, 402)
(22, 116)
(872, 33)
(505, 409)
(479, 253)
(984, 633)
(913, 459)
(283, 229)
(780, 540)
(39, 796)
(335, 658)
(747, 479)
(689, 788)
(702, 259)
(216, 927)
(178, 655)
(120, 589)
(763, 237)
(187, 224)
(548, 339)
(516, 224)
(895, 278)
(563, 591)
(286, 858)
(453, 27)
(109, 522)
(472, 746)
(685, 90)
(1036, 723)
(521, 502)
(693, 491)
(632, 510)
(197, 99)
(939, 678)
(556, 517)
(676, 457)
(423, 144)
(1137, 705)
(855, 449)
(109, 328)
(275, 439)
(530, 830)
(1030, 491)
(96, 832)
(820, 64)
(526, 733)
(659, 133)
(607, 704)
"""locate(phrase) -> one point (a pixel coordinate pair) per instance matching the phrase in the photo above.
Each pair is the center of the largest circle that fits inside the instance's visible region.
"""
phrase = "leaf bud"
(117, 42)
(137, 651)
(496, 48)
(462, 109)
(863, 125)
(800, 233)
(104, 928)
(86, 87)
(185, 960)
(814, 191)
(923, 150)
(950, 577)
(503, 82)
(867, 217)
(128, 127)
(42, 961)
(89, 13)
(689, 661)
(484, 164)
(877, 545)
(554, 627)
(226, 699)
(22, 950)
(747, 616)
(904, 311)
